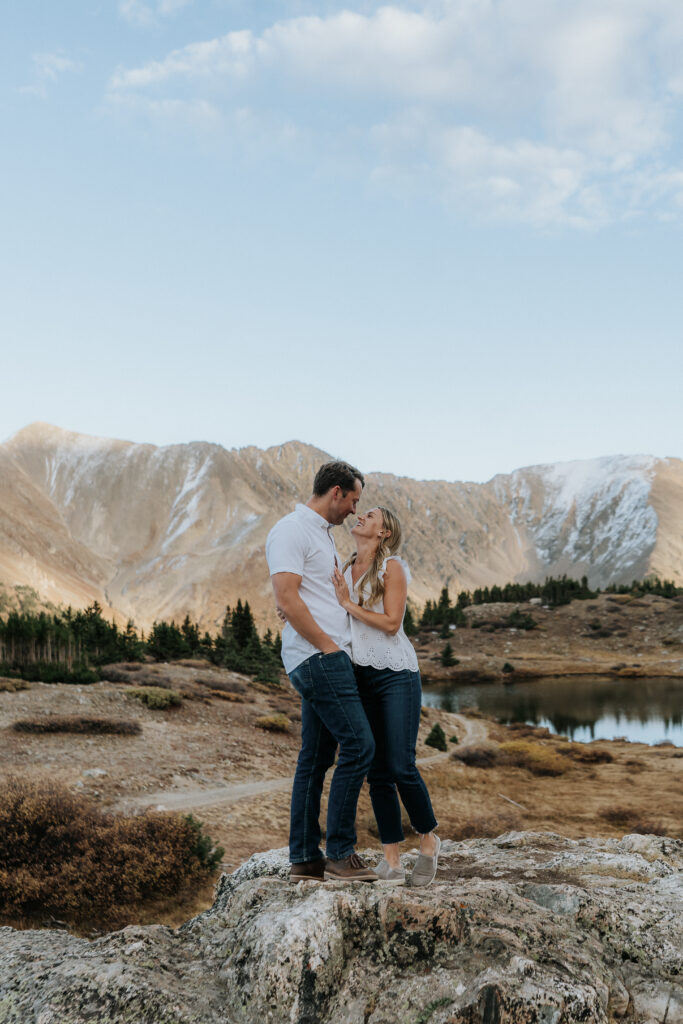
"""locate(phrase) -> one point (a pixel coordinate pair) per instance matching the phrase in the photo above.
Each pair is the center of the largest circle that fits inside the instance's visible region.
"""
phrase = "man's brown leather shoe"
(311, 870)
(351, 869)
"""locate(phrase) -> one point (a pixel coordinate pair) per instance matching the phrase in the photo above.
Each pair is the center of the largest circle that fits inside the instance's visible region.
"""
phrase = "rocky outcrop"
(528, 928)
(159, 532)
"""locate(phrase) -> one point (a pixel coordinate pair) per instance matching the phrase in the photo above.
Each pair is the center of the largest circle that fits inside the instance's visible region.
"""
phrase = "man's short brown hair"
(336, 474)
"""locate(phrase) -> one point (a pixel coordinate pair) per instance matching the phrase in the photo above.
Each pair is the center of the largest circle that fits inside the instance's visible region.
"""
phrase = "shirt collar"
(314, 516)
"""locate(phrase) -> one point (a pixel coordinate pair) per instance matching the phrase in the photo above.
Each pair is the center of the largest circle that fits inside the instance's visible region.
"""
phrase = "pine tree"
(409, 627)
(447, 659)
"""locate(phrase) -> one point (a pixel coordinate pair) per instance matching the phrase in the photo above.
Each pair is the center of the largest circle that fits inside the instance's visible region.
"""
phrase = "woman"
(373, 589)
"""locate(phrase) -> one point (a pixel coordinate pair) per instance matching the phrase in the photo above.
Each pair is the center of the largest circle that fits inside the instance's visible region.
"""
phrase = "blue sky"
(440, 239)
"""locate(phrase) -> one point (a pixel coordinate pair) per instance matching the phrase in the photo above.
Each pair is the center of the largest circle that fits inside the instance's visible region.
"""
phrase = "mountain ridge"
(157, 531)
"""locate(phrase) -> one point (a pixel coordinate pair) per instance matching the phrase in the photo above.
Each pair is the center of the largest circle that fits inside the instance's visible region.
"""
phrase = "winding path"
(472, 730)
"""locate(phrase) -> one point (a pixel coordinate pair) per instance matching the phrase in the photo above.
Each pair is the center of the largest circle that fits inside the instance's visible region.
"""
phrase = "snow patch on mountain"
(597, 510)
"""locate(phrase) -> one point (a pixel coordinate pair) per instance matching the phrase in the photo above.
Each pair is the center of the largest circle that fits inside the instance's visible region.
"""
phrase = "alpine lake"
(583, 708)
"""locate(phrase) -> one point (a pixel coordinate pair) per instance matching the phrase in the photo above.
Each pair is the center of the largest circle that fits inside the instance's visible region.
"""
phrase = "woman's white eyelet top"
(373, 646)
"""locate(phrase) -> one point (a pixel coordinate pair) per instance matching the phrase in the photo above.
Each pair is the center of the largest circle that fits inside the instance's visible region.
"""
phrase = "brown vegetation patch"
(586, 754)
(478, 756)
(63, 857)
(523, 753)
(156, 698)
(120, 672)
(273, 723)
(632, 819)
(142, 675)
(78, 724)
(217, 684)
(535, 757)
(12, 685)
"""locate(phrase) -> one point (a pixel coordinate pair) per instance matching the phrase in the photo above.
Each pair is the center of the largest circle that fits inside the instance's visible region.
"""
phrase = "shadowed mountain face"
(158, 532)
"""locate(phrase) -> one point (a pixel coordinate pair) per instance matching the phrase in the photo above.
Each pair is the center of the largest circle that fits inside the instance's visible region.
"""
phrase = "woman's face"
(371, 525)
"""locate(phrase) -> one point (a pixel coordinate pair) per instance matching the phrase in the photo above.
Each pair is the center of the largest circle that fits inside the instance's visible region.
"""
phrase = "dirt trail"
(472, 731)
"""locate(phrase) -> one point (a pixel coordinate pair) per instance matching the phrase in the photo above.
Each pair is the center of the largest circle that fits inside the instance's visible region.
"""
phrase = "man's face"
(343, 505)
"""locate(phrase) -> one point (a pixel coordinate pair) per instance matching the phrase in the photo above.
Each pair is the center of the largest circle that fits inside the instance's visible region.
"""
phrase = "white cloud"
(514, 179)
(550, 111)
(232, 56)
(51, 65)
(197, 114)
(47, 67)
(137, 12)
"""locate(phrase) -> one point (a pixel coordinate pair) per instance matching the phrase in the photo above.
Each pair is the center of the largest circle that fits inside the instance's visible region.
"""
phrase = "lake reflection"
(583, 708)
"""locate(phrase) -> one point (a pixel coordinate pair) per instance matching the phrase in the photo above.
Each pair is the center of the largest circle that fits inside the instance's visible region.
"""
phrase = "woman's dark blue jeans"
(392, 702)
(331, 715)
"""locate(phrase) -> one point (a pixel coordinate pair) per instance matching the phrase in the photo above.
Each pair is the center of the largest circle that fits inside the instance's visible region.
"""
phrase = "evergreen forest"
(553, 592)
(69, 646)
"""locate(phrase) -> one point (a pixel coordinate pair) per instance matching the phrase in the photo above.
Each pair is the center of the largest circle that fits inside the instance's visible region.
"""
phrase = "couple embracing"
(346, 654)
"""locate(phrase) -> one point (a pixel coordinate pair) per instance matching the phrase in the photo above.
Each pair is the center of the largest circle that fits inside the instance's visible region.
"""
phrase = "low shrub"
(273, 723)
(62, 856)
(46, 672)
(588, 755)
(507, 668)
(520, 620)
(234, 698)
(535, 757)
(437, 738)
(488, 625)
(483, 756)
(12, 685)
(144, 677)
(156, 698)
(120, 670)
(120, 673)
(630, 819)
(453, 739)
(78, 724)
(219, 684)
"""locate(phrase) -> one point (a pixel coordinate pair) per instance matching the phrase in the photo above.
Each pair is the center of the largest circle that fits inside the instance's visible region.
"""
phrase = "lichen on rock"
(529, 928)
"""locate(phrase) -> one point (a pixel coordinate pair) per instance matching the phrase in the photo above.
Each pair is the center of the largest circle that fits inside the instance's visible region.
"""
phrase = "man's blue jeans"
(331, 715)
(392, 702)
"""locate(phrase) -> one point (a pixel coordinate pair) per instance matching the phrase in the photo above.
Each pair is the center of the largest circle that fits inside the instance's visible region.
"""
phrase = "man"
(316, 649)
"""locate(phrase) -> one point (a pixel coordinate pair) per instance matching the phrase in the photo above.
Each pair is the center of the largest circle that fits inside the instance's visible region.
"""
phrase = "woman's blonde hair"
(387, 546)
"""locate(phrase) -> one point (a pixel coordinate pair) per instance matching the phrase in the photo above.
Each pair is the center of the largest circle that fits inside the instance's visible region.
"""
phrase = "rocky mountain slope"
(529, 927)
(157, 532)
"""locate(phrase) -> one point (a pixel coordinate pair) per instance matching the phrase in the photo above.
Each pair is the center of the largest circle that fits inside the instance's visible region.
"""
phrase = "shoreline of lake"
(651, 670)
(587, 707)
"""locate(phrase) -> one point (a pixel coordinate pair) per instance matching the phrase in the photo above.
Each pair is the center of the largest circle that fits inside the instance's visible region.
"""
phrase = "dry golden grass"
(537, 758)
(12, 685)
(273, 723)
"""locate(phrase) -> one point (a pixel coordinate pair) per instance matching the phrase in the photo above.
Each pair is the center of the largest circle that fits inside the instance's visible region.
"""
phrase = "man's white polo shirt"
(302, 543)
